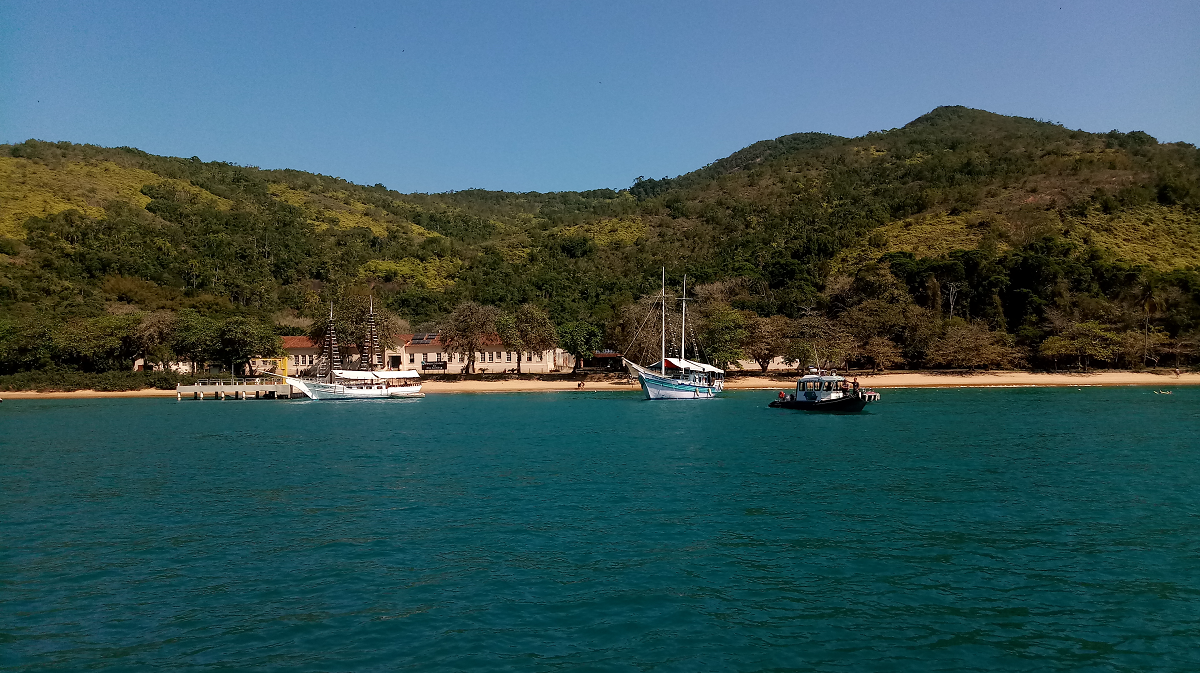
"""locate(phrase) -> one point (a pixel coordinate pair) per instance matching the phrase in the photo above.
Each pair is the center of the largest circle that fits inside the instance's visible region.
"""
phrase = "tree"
(766, 338)
(920, 329)
(1139, 349)
(1152, 303)
(828, 341)
(466, 330)
(154, 335)
(1056, 347)
(510, 336)
(882, 352)
(241, 339)
(636, 330)
(723, 331)
(535, 330)
(1093, 342)
(579, 339)
(1183, 345)
(99, 344)
(971, 345)
(196, 337)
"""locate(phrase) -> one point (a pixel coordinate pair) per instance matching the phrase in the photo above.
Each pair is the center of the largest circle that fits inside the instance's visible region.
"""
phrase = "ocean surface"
(943, 530)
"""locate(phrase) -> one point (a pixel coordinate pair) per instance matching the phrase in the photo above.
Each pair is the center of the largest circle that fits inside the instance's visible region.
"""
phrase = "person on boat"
(856, 383)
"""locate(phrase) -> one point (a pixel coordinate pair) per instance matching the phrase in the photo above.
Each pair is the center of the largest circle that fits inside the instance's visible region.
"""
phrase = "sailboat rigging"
(335, 383)
(686, 379)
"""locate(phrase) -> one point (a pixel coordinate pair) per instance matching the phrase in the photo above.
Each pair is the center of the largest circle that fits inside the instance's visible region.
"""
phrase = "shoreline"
(886, 380)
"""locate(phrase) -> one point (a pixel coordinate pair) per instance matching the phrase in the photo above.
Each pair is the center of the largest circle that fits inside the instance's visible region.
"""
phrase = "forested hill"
(1023, 228)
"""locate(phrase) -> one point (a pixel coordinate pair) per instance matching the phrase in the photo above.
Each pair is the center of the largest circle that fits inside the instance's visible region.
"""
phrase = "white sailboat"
(345, 384)
(678, 378)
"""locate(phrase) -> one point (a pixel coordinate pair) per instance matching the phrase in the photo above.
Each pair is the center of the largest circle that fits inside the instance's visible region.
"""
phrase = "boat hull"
(332, 393)
(666, 389)
(844, 405)
(335, 391)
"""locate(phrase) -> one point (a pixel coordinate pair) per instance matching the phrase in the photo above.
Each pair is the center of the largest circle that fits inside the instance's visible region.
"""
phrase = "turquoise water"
(957, 530)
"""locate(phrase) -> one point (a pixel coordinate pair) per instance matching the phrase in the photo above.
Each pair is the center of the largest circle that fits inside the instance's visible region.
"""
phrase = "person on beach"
(580, 385)
(1177, 372)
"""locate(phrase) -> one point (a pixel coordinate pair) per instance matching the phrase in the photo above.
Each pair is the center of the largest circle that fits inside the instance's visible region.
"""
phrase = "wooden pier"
(237, 389)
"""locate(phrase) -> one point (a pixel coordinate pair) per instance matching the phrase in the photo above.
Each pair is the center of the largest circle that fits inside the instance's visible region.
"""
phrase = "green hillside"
(1024, 230)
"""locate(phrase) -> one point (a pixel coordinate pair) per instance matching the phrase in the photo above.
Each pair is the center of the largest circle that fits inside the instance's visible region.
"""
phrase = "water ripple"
(946, 530)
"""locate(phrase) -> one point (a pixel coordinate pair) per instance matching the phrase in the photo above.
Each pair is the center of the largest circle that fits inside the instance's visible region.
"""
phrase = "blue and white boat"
(678, 378)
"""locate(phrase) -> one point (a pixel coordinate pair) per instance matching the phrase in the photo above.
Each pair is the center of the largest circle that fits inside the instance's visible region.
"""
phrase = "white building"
(426, 352)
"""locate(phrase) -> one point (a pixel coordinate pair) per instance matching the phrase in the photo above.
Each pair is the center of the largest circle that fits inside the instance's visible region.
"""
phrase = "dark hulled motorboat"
(821, 391)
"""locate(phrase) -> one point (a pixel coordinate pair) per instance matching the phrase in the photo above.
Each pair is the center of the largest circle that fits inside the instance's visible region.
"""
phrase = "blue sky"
(436, 96)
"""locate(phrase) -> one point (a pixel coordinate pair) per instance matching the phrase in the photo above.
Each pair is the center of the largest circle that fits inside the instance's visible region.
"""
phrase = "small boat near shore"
(825, 391)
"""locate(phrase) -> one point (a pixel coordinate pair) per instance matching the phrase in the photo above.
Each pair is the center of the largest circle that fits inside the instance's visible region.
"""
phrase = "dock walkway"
(238, 389)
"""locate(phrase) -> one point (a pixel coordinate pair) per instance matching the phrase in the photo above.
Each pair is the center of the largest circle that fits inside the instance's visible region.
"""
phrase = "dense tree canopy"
(962, 229)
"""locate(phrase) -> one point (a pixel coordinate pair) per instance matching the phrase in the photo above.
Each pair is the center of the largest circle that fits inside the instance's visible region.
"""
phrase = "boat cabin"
(696, 373)
(819, 385)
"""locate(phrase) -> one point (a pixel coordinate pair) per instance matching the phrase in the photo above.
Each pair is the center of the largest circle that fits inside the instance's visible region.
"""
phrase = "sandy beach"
(75, 394)
(889, 380)
(897, 380)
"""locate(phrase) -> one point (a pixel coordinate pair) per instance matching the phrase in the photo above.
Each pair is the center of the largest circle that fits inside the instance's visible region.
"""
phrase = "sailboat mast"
(683, 321)
(331, 344)
(372, 345)
(663, 362)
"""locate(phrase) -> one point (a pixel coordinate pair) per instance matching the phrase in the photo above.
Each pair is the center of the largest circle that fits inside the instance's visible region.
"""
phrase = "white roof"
(822, 377)
(688, 364)
(374, 376)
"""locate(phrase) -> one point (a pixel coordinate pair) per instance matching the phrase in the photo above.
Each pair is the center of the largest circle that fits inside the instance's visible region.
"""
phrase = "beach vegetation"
(961, 227)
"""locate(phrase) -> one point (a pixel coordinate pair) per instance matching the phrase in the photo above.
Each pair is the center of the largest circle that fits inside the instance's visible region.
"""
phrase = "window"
(508, 356)
(539, 357)
(412, 357)
(439, 356)
(424, 357)
(490, 354)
